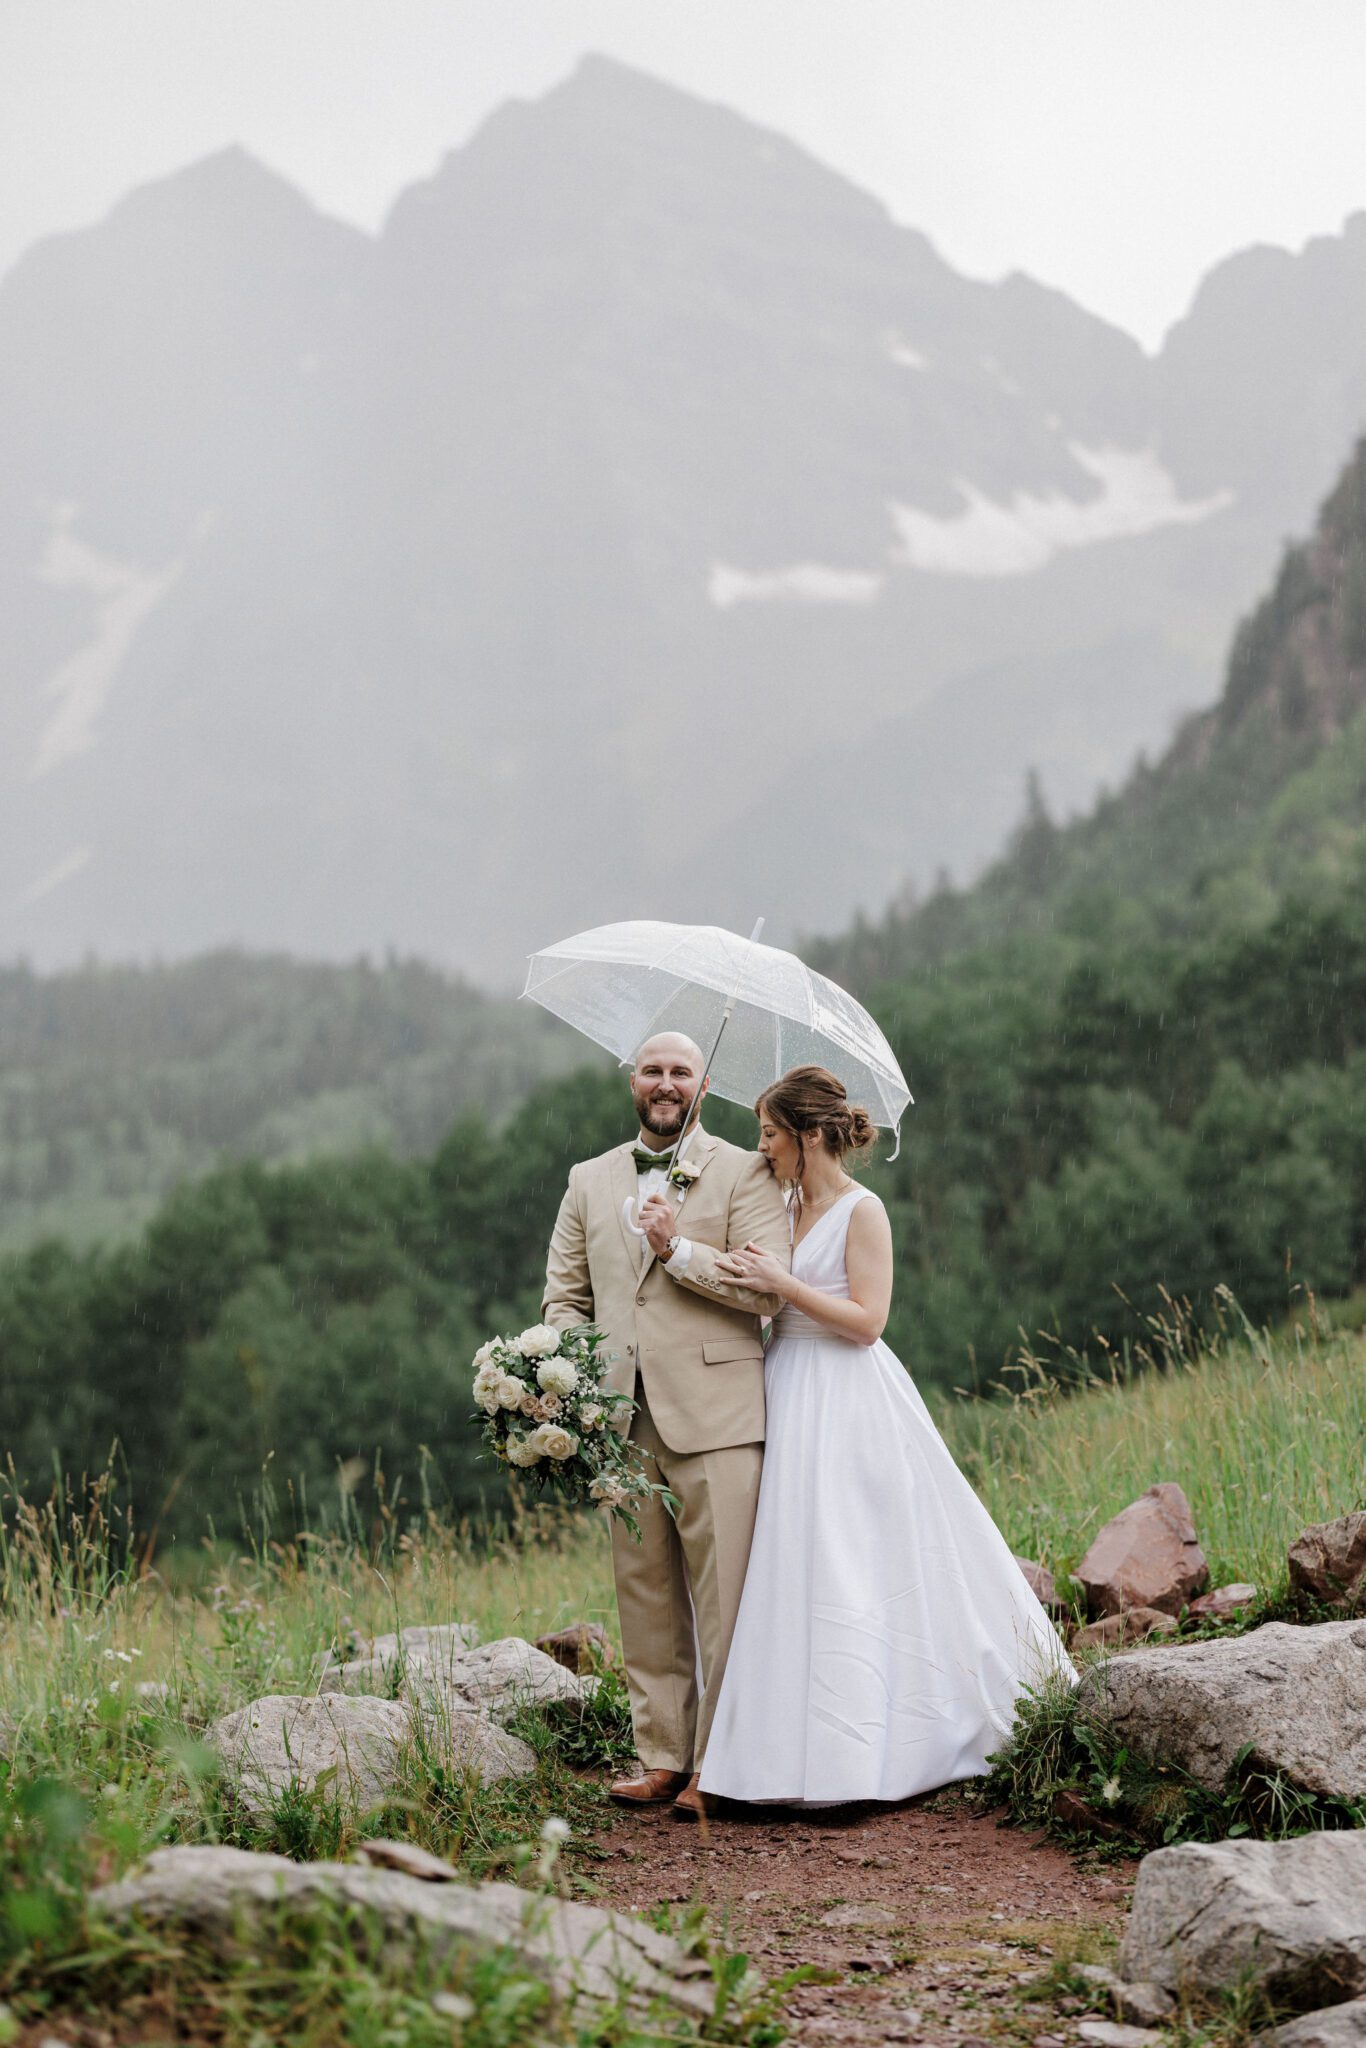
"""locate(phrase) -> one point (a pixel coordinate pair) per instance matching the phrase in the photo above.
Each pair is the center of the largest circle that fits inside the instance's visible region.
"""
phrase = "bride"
(885, 1630)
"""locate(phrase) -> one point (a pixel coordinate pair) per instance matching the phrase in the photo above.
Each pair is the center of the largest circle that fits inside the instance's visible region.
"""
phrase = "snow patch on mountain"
(1137, 495)
(802, 583)
(125, 596)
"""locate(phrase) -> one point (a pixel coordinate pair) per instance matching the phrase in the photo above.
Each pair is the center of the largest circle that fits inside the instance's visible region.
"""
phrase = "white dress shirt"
(655, 1181)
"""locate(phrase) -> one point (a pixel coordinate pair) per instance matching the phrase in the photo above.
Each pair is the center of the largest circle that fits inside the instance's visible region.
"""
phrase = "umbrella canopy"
(621, 983)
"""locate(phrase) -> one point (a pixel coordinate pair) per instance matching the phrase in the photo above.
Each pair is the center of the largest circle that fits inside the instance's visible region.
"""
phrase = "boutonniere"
(684, 1173)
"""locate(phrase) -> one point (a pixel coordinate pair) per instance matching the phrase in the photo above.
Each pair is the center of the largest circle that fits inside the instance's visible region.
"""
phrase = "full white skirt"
(885, 1630)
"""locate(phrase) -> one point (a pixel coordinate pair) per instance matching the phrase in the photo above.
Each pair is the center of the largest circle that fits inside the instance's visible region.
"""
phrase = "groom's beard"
(665, 1119)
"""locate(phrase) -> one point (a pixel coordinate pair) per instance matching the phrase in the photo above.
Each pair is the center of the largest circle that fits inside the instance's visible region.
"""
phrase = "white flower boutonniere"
(684, 1174)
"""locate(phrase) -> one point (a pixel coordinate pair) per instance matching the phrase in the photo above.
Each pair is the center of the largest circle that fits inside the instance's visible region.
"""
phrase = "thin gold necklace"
(825, 1199)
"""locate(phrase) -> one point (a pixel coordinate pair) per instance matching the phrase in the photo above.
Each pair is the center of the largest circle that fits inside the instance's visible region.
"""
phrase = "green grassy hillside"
(117, 1083)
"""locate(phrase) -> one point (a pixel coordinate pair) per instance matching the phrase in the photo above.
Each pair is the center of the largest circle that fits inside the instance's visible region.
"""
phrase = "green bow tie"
(647, 1161)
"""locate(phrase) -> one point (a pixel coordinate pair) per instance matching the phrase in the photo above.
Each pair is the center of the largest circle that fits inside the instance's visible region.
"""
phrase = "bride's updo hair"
(813, 1107)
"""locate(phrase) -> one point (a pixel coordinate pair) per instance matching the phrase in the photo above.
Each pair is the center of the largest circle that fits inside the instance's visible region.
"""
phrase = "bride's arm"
(868, 1261)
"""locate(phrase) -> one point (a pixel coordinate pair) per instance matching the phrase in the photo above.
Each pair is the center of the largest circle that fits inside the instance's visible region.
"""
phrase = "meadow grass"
(110, 1676)
(1265, 1432)
(109, 1673)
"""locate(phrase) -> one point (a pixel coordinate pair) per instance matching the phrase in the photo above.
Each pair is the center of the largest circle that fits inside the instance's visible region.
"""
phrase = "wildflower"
(1111, 1790)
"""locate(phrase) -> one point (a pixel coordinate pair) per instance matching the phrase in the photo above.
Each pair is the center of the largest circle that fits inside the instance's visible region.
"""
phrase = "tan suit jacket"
(696, 1340)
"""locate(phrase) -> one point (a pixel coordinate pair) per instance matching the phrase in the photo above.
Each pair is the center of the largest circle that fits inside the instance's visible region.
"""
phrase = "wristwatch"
(670, 1248)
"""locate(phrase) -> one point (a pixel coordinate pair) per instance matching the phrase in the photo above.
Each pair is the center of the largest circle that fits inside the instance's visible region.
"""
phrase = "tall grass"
(1265, 1433)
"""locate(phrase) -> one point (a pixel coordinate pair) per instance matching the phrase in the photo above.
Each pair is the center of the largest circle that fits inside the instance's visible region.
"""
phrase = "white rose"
(552, 1441)
(523, 1450)
(540, 1341)
(558, 1376)
(484, 1354)
(509, 1391)
(610, 1490)
(590, 1415)
(485, 1387)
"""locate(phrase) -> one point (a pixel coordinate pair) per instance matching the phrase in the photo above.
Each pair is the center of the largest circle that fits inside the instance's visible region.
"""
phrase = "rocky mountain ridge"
(358, 590)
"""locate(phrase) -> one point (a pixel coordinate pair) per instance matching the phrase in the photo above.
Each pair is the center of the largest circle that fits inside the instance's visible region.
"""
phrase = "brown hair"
(810, 1103)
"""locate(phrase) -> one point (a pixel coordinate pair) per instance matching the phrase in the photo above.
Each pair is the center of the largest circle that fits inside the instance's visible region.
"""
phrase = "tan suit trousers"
(678, 1590)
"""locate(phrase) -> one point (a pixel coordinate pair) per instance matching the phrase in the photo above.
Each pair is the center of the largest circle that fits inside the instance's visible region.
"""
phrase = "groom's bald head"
(671, 1044)
(666, 1083)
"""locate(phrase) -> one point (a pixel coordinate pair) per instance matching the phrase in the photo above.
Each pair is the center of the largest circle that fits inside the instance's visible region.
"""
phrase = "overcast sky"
(1116, 148)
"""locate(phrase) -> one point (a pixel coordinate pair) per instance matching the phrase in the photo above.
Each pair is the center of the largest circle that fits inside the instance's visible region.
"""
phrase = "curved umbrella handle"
(630, 1209)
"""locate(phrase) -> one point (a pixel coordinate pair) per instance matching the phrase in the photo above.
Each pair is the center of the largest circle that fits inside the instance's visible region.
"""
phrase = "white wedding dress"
(885, 1630)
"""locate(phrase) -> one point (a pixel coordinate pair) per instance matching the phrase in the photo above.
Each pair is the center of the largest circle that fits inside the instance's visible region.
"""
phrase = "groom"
(689, 1352)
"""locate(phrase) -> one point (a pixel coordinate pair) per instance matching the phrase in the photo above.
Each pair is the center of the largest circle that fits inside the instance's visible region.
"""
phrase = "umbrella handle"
(630, 1209)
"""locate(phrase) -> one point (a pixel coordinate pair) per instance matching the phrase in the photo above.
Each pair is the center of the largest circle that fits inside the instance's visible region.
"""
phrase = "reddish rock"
(1222, 1603)
(1076, 1814)
(1328, 1561)
(1039, 1580)
(1134, 1625)
(584, 1647)
(1148, 1556)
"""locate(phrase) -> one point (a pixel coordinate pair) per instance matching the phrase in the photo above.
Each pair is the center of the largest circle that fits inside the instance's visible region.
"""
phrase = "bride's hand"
(753, 1267)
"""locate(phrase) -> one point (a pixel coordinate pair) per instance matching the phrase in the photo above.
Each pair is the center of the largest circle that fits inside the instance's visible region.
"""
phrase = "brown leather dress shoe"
(651, 1788)
(690, 1803)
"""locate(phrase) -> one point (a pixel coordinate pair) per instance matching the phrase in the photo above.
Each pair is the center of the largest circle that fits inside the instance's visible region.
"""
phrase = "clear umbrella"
(758, 1011)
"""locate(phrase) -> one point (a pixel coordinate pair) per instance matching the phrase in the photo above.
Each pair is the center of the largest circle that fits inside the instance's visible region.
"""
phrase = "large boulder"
(1297, 1695)
(1328, 1561)
(1147, 1556)
(353, 1747)
(225, 1897)
(1288, 1917)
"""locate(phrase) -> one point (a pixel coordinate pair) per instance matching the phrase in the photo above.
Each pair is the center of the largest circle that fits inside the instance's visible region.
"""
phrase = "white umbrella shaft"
(633, 1207)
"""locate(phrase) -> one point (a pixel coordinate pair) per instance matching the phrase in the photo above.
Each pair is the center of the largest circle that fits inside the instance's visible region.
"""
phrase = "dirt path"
(933, 1914)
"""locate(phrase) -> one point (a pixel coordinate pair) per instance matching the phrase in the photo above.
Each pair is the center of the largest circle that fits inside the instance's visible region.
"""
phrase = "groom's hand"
(659, 1223)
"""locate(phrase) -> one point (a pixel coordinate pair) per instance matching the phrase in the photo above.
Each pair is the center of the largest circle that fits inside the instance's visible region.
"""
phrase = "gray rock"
(853, 1915)
(381, 1661)
(355, 1748)
(1146, 2005)
(1298, 1695)
(406, 1856)
(464, 1738)
(1328, 1560)
(505, 1675)
(228, 1896)
(1143, 2005)
(1337, 2026)
(1146, 1556)
(284, 1740)
(434, 1665)
(1114, 2034)
(1288, 1917)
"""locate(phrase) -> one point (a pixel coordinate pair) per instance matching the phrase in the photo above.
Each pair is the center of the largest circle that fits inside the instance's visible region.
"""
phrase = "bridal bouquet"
(547, 1414)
